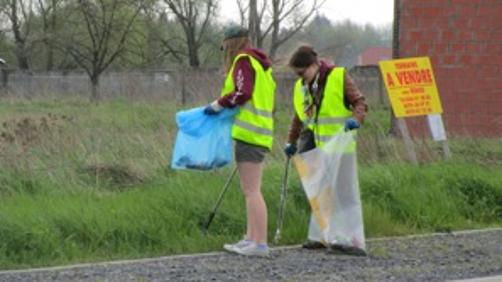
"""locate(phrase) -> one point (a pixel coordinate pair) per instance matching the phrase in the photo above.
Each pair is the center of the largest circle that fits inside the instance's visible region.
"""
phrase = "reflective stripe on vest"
(332, 114)
(258, 112)
(254, 123)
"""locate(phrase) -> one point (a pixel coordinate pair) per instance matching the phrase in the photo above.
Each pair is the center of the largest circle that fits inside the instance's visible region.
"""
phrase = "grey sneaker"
(253, 249)
(240, 244)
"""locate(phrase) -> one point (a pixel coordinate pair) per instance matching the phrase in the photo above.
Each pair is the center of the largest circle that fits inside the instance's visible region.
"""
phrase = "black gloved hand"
(213, 109)
(290, 150)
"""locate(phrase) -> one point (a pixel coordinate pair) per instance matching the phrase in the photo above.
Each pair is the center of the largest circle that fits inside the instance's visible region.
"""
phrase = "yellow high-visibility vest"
(254, 124)
(332, 114)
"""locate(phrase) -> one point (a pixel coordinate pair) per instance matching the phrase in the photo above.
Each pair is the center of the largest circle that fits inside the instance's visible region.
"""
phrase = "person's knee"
(251, 193)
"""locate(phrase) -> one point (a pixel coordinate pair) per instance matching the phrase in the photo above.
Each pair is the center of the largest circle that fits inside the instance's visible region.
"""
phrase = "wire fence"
(181, 86)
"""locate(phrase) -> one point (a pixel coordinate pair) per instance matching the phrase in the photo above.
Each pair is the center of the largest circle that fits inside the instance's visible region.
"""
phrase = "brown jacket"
(353, 99)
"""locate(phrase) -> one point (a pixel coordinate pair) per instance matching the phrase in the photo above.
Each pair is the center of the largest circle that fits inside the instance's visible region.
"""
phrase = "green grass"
(82, 182)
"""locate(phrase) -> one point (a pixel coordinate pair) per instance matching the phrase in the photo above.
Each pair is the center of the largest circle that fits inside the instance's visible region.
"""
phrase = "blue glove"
(213, 109)
(289, 150)
(351, 124)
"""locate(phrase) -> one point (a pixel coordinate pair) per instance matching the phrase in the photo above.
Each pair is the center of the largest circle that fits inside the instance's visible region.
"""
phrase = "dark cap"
(234, 31)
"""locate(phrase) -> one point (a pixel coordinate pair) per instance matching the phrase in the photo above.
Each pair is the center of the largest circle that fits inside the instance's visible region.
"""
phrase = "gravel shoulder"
(434, 257)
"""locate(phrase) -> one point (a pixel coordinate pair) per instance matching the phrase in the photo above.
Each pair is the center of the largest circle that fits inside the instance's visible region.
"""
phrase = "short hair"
(303, 57)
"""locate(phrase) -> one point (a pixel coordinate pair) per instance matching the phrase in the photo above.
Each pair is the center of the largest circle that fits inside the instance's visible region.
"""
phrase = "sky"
(376, 12)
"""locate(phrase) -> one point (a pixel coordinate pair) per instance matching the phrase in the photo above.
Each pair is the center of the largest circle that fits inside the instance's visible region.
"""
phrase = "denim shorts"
(245, 152)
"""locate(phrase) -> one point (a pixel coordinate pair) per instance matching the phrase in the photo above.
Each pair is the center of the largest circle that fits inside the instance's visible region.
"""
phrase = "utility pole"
(393, 130)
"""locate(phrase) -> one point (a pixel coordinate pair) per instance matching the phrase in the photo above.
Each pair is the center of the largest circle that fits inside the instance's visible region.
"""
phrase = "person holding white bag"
(327, 102)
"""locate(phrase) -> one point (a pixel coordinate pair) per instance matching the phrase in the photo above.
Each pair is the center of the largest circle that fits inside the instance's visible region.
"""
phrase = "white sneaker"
(240, 244)
(253, 249)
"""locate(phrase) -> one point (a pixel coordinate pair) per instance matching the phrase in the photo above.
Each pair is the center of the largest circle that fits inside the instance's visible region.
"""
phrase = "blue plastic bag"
(203, 142)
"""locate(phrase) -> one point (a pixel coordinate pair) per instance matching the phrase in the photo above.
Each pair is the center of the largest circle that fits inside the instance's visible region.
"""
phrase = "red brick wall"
(463, 38)
(373, 55)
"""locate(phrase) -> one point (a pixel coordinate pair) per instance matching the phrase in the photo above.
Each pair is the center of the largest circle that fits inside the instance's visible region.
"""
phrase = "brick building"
(373, 55)
(463, 38)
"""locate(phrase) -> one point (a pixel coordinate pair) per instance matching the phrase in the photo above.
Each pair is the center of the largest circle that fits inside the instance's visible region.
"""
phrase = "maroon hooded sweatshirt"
(244, 77)
(353, 99)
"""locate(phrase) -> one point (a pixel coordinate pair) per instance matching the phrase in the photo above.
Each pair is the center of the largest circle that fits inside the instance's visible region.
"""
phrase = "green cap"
(234, 31)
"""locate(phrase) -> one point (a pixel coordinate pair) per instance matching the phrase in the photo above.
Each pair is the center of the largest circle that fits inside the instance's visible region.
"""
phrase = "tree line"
(99, 35)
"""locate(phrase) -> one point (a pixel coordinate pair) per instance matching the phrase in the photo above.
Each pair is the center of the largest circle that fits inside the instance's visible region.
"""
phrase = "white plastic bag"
(329, 178)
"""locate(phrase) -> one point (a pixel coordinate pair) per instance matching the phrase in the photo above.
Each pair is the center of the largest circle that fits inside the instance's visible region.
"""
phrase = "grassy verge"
(80, 182)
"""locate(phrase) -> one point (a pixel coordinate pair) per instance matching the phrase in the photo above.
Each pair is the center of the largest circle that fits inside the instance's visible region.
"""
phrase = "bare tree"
(98, 34)
(173, 43)
(19, 13)
(279, 19)
(48, 11)
(243, 9)
(254, 20)
(254, 28)
(194, 16)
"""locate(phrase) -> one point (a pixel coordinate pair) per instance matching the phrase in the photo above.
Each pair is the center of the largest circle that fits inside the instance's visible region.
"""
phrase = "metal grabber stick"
(280, 215)
(222, 193)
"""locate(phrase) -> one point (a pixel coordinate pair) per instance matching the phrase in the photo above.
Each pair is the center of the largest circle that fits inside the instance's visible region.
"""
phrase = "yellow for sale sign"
(411, 86)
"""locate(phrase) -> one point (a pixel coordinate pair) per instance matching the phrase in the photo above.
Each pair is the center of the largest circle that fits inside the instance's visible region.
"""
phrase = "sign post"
(438, 133)
(412, 91)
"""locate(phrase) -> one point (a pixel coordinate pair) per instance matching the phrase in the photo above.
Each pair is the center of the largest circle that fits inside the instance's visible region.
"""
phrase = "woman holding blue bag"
(248, 85)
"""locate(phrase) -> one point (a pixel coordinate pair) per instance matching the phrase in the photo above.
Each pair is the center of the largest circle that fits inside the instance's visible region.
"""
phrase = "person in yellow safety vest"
(250, 86)
(325, 100)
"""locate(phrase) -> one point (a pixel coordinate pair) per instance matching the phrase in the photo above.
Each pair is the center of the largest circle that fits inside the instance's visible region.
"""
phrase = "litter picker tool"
(216, 206)
(280, 215)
